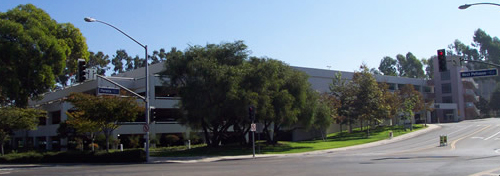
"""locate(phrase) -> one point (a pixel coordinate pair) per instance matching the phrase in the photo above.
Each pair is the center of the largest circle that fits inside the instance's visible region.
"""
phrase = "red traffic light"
(440, 53)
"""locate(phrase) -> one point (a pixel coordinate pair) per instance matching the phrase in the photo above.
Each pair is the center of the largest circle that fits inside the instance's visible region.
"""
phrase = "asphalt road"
(473, 149)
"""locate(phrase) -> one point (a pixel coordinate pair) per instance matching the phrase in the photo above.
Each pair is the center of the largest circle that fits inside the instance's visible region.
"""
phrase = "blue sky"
(315, 34)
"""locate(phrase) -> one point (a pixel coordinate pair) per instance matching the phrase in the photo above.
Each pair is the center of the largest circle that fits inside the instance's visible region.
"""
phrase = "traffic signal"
(251, 113)
(153, 113)
(441, 60)
(80, 75)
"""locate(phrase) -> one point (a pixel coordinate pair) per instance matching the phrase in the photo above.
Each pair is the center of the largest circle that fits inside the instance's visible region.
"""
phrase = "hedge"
(127, 156)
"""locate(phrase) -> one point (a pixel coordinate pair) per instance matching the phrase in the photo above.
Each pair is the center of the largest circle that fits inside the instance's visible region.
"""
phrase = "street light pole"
(465, 6)
(146, 91)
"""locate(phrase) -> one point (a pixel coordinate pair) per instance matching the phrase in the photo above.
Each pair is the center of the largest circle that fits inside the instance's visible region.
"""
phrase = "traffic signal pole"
(482, 62)
(253, 141)
(251, 115)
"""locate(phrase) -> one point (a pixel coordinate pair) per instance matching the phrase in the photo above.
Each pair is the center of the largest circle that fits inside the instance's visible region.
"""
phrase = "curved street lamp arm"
(95, 20)
(483, 3)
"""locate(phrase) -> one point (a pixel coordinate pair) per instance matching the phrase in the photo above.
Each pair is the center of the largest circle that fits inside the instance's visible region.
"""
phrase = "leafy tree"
(82, 126)
(158, 56)
(208, 80)
(409, 66)
(489, 47)
(411, 101)
(325, 111)
(289, 99)
(99, 61)
(388, 66)
(35, 50)
(217, 83)
(280, 94)
(12, 119)
(368, 100)
(74, 39)
(117, 61)
(391, 102)
(495, 99)
(344, 92)
(429, 67)
(484, 106)
(375, 71)
(105, 111)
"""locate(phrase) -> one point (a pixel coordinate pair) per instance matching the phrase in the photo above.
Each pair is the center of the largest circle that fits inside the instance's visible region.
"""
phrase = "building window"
(400, 86)
(56, 117)
(42, 121)
(445, 75)
(392, 86)
(449, 115)
(166, 114)
(446, 88)
(427, 89)
(416, 87)
(163, 91)
(447, 99)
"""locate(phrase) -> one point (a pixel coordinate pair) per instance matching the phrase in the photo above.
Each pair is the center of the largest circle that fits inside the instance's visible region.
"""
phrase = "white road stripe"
(458, 130)
(492, 136)
(3, 173)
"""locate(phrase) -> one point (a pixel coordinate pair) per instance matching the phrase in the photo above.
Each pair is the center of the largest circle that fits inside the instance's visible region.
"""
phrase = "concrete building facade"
(455, 97)
(164, 102)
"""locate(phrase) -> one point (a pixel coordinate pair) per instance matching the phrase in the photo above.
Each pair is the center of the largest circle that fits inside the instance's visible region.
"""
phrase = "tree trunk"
(368, 128)
(275, 136)
(106, 134)
(350, 125)
(2, 149)
(205, 130)
(266, 132)
(361, 123)
(92, 136)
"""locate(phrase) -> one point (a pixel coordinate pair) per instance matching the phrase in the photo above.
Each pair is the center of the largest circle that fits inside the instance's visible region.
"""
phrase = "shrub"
(96, 146)
(134, 155)
(171, 139)
(134, 141)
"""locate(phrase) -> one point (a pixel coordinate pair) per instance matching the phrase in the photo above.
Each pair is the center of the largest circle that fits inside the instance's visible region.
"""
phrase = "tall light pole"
(465, 6)
(146, 94)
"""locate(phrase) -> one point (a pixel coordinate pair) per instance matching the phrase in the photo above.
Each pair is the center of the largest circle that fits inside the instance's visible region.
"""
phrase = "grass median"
(334, 140)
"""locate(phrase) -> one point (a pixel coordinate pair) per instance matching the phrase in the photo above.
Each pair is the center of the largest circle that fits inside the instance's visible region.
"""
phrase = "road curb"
(431, 127)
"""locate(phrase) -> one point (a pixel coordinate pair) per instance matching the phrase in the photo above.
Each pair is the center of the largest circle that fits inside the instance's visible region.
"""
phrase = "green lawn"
(334, 140)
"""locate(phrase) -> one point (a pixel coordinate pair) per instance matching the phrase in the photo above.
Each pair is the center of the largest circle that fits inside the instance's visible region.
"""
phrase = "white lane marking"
(492, 136)
(458, 130)
(3, 173)
(497, 151)
(497, 139)
(477, 137)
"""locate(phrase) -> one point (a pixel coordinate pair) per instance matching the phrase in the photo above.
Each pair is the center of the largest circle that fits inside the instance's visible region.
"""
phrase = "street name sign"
(479, 73)
(108, 91)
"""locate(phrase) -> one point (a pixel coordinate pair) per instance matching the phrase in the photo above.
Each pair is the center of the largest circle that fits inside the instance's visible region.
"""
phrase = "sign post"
(253, 129)
(253, 126)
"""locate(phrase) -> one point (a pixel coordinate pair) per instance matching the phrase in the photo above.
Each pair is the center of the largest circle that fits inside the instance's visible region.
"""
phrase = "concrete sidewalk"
(430, 127)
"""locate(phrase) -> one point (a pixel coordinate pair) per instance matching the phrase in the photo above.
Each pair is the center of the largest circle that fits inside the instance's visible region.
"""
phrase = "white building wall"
(134, 80)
